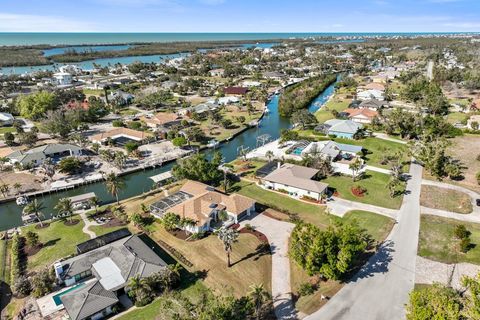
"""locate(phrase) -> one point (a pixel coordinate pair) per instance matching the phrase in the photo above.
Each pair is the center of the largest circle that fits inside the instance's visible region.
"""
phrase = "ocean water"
(46, 38)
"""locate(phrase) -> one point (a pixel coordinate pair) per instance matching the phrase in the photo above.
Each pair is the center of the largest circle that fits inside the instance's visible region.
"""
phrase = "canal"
(139, 182)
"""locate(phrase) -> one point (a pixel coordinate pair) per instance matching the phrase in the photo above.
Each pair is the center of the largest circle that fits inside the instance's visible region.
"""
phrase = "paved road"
(278, 233)
(380, 289)
(383, 136)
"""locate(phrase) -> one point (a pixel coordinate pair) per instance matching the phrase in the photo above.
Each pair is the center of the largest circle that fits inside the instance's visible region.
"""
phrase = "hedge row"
(17, 259)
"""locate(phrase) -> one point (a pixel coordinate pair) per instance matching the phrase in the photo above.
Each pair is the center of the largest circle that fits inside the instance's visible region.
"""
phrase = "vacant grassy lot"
(445, 199)
(375, 183)
(437, 241)
(58, 241)
(251, 264)
(337, 103)
(466, 149)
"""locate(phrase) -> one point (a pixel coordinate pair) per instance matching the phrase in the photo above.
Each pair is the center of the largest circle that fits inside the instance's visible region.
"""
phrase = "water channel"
(139, 182)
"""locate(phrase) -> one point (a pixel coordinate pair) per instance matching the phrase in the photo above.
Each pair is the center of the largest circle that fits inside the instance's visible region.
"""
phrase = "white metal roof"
(109, 274)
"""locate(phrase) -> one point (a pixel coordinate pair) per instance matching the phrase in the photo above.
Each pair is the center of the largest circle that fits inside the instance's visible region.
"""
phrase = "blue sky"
(239, 15)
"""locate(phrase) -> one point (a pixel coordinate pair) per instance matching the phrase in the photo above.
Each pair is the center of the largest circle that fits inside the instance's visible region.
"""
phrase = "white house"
(63, 78)
(296, 181)
(371, 94)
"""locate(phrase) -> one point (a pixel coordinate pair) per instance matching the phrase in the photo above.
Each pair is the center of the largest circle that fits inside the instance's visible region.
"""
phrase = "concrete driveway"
(380, 289)
(278, 233)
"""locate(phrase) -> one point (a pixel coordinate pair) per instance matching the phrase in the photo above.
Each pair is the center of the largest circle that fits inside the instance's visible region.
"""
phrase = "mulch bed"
(69, 222)
(269, 214)
(45, 225)
(114, 223)
(357, 192)
(30, 251)
(180, 234)
(260, 236)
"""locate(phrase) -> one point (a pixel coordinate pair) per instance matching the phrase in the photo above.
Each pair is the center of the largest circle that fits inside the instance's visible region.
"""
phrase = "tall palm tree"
(114, 184)
(35, 207)
(17, 186)
(228, 238)
(64, 206)
(4, 189)
(259, 297)
(269, 154)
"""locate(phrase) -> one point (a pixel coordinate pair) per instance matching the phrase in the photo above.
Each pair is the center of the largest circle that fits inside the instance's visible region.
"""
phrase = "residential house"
(120, 136)
(36, 156)
(162, 120)
(200, 109)
(372, 104)
(331, 149)
(98, 278)
(217, 72)
(361, 115)
(374, 86)
(371, 94)
(274, 75)
(205, 206)
(296, 181)
(473, 123)
(6, 119)
(121, 97)
(235, 91)
(340, 128)
(63, 78)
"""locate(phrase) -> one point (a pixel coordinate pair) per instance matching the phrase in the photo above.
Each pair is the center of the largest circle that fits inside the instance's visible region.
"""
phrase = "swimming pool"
(298, 151)
(56, 298)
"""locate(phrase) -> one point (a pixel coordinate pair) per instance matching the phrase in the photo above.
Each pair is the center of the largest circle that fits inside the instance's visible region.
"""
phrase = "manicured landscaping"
(101, 230)
(375, 183)
(58, 241)
(437, 241)
(445, 199)
(3, 258)
(251, 262)
(376, 225)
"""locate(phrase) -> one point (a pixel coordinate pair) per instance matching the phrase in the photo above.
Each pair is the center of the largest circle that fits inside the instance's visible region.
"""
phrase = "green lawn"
(375, 183)
(437, 241)
(336, 103)
(457, 117)
(58, 241)
(376, 225)
(3, 256)
(164, 306)
(445, 199)
(377, 148)
(101, 230)
(4, 130)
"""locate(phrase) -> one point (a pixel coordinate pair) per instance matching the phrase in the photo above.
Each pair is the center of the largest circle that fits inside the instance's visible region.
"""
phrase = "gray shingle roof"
(344, 126)
(296, 176)
(88, 300)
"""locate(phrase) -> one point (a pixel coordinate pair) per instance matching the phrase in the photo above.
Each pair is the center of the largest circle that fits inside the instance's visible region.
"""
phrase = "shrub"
(478, 177)
(32, 239)
(461, 232)
(306, 289)
(249, 227)
(465, 245)
(16, 263)
(43, 282)
(117, 123)
(22, 286)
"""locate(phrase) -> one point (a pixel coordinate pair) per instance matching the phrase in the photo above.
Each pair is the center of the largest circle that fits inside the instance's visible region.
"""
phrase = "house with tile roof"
(162, 120)
(361, 115)
(120, 136)
(204, 205)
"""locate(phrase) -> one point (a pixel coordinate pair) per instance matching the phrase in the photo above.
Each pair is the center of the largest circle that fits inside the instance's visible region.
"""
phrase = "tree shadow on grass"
(261, 250)
(51, 242)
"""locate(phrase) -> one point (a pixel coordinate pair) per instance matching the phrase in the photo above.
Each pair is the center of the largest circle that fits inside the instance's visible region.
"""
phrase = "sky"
(239, 16)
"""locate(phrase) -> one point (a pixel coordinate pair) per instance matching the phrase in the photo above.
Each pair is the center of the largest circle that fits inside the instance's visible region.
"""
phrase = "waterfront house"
(370, 94)
(62, 78)
(296, 181)
(36, 156)
(360, 115)
(340, 128)
(120, 136)
(209, 208)
(374, 86)
(372, 104)
(98, 279)
(6, 119)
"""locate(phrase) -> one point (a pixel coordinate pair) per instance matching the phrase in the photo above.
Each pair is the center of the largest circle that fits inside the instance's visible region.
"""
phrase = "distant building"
(217, 72)
(124, 98)
(371, 94)
(236, 91)
(120, 136)
(162, 119)
(372, 104)
(63, 78)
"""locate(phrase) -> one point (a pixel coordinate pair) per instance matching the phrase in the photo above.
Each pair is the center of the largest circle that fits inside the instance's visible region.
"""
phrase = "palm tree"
(4, 189)
(114, 184)
(259, 297)
(64, 206)
(119, 212)
(17, 186)
(95, 202)
(269, 154)
(355, 166)
(228, 238)
(392, 185)
(119, 159)
(35, 207)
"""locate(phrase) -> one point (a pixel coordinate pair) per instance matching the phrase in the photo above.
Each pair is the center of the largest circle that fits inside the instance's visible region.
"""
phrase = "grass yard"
(240, 168)
(3, 259)
(377, 148)
(457, 117)
(250, 264)
(337, 103)
(164, 306)
(437, 241)
(376, 225)
(101, 230)
(375, 183)
(4, 130)
(58, 241)
(445, 199)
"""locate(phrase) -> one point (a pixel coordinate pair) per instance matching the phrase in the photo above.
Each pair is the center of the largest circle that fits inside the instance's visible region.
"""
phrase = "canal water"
(139, 182)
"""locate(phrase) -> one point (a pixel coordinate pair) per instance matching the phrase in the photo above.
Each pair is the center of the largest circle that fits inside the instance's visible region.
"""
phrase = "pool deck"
(48, 306)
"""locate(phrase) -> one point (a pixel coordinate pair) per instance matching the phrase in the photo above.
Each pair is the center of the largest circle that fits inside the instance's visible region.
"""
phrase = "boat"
(266, 110)
(212, 143)
(22, 200)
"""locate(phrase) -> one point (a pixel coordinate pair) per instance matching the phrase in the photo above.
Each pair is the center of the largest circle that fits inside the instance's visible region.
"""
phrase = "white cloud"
(11, 22)
(463, 25)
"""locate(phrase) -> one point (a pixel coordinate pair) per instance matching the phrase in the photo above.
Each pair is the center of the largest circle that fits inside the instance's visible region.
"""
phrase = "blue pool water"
(298, 151)
(56, 298)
